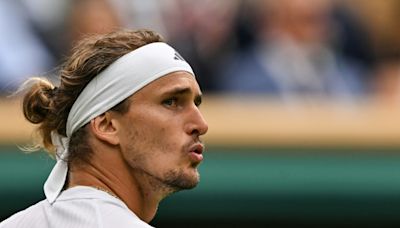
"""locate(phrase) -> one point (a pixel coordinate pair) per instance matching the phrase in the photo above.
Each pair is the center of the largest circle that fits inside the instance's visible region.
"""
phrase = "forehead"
(169, 82)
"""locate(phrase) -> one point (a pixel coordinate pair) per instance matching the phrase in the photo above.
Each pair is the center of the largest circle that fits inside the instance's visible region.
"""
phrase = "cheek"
(159, 130)
(152, 145)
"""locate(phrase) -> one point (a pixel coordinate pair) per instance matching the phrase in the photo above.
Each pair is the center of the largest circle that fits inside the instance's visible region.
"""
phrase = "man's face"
(159, 134)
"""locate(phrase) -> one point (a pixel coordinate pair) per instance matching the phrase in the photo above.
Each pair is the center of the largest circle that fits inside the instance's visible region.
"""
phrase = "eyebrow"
(179, 91)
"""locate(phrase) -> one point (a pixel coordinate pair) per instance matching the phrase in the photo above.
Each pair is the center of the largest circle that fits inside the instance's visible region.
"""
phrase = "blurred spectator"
(143, 14)
(382, 18)
(387, 82)
(351, 38)
(203, 32)
(286, 48)
(22, 52)
(36, 35)
(294, 57)
(48, 21)
(91, 17)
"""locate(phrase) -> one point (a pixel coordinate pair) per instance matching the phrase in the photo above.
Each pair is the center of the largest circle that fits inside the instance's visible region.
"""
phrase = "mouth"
(196, 152)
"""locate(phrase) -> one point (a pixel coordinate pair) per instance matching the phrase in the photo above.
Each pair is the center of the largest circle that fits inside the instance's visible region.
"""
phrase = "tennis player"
(125, 127)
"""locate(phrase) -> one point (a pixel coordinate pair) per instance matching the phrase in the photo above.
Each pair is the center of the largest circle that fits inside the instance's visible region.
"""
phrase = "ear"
(104, 129)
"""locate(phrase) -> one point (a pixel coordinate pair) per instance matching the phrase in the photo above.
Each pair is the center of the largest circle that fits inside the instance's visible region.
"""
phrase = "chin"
(182, 180)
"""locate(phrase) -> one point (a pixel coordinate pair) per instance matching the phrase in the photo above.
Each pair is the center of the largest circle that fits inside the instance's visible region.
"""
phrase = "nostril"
(195, 132)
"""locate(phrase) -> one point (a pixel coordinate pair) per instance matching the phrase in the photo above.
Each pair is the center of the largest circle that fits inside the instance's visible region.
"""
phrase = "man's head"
(156, 129)
(159, 134)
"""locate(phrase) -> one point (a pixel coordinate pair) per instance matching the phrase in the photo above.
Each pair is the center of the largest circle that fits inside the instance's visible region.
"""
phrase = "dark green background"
(253, 187)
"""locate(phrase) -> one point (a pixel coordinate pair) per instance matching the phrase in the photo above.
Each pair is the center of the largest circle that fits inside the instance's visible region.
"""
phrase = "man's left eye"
(170, 101)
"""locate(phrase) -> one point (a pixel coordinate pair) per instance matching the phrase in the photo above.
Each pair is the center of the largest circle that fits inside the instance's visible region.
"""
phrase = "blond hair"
(48, 106)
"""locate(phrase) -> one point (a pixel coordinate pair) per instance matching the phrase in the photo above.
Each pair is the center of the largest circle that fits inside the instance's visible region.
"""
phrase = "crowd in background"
(288, 49)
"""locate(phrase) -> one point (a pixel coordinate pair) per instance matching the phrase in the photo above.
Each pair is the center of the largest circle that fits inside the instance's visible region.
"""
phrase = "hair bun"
(38, 102)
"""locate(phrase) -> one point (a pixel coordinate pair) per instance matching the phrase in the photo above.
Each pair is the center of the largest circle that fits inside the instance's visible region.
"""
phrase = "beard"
(167, 181)
(180, 181)
(170, 181)
(173, 181)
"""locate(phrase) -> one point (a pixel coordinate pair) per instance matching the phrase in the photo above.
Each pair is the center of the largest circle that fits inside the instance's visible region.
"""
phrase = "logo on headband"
(178, 57)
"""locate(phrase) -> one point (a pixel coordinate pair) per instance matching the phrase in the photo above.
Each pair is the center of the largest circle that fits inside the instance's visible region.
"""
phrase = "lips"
(197, 148)
(196, 152)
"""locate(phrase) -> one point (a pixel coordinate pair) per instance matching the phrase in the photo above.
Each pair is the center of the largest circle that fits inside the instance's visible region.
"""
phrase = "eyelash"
(197, 102)
(173, 101)
(170, 101)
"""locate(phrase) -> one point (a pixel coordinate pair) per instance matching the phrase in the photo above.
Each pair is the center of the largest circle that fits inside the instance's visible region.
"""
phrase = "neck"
(133, 188)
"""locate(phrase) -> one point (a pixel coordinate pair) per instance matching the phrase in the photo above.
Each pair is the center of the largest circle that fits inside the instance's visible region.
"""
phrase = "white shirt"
(77, 207)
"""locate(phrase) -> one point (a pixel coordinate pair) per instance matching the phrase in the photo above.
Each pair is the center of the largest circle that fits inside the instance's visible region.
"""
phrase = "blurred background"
(302, 98)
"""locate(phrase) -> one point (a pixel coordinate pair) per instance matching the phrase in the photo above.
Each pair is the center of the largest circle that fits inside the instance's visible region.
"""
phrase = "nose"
(196, 125)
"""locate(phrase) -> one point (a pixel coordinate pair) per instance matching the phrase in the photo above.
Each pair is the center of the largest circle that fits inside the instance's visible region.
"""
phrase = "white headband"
(117, 82)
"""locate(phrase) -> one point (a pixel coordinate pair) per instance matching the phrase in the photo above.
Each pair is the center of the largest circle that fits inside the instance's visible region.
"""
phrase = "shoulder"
(97, 208)
(115, 216)
(77, 207)
(30, 217)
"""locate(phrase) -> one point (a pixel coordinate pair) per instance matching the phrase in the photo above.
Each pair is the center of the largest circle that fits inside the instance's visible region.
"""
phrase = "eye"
(197, 101)
(170, 102)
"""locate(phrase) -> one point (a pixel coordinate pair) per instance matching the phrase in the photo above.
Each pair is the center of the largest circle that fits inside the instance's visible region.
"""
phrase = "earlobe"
(104, 129)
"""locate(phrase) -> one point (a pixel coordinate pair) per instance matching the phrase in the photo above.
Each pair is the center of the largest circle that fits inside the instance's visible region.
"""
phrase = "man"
(125, 123)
